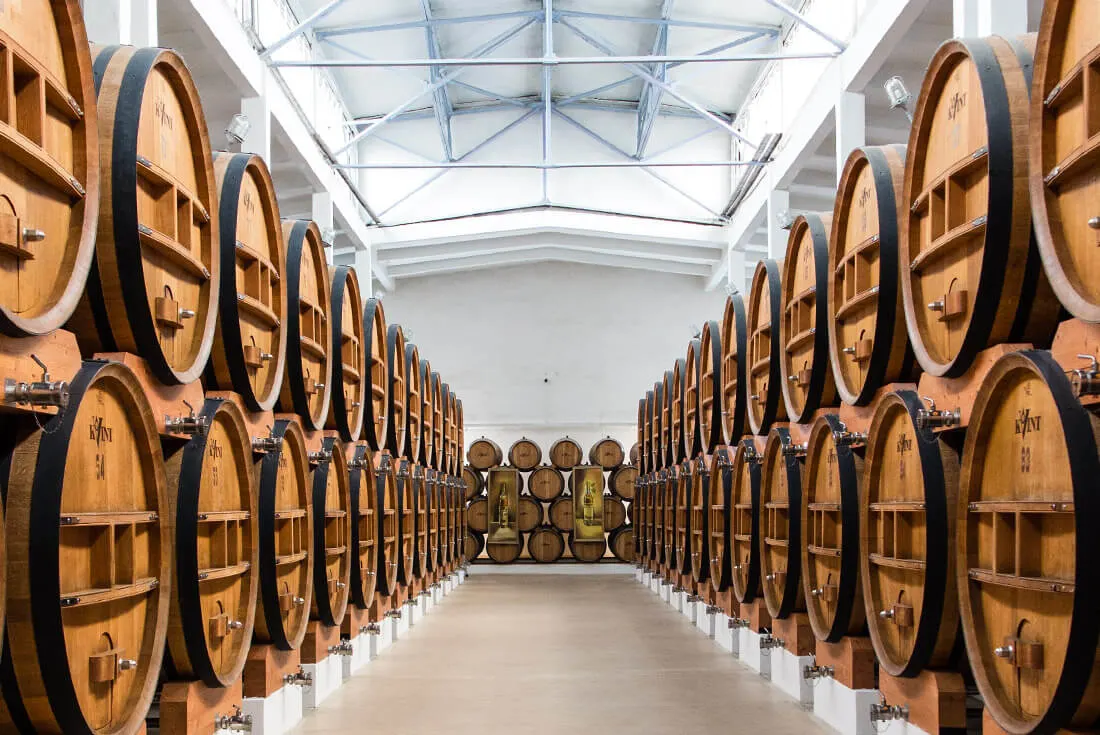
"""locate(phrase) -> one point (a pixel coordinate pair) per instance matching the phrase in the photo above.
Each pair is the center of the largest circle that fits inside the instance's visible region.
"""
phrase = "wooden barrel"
(452, 462)
(633, 455)
(474, 544)
(621, 543)
(608, 453)
(1027, 547)
(349, 377)
(656, 455)
(614, 513)
(458, 513)
(414, 403)
(85, 636)
(212, 494)
(804, 362)
(286, 539)
(745, 520)
(735, 359)
(672, 489)
(699, 544)
(362, 488)
(657, 541)
(971, 280)
(332, 521)
(427, 415)
(1062, 182)
(307, 379)
(640, 518)
(830, 530)
(485, 453)
(406, 524)
(691, 437)
(621, 481)
(561, 514)
(434, 498)
(438, 411)
(50, 170)
(545, 483)
(907, 565)
(711, 429)
(524, 454)
(504, 553)
(781, 525)
(676, 410)
(153, 285)
(763, 372)
(449, 534)
(528, 514)
(545, 544)
(478, 515)
(868, 344)
(587, 551)
(668, 457)
(685, 481)
(637, 450)
(249, 350)
(473, 482)
(460, 437)
(419, 480)
(565, 454)
(720, 499)
(376, 417)
(389, 524)
(397, 370)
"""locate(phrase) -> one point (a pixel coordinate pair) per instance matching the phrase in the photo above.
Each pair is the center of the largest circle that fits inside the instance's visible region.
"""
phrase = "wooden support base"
(356, 619)
(319, 637)
(265, 668)
(313, 437)
(852, 659)
(259, 423)
(57, 350)
(936, 699)
(800, 433)
(165, 400)
(857, 419)
(958, 394)
(796, 633)
(756, 612)
(1075, 337)
(191, 707)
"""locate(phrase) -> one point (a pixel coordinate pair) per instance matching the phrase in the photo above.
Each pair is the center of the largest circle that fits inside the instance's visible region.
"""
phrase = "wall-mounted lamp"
(236, 130)
(785, 219)
(898, 95)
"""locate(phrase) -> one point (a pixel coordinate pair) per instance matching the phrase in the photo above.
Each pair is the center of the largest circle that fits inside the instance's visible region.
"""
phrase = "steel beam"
(471, 61)
(323, 34)
(459, 164)
(547, 95)
(301, 28)
(799, 18)
(441, 101)
(650, 98)
(677, 23)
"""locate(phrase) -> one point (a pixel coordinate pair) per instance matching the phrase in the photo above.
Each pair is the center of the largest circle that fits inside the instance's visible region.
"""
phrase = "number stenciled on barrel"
(1024, 425)
(865, 198)
(904, 446)
(101, 434)
(214, 451)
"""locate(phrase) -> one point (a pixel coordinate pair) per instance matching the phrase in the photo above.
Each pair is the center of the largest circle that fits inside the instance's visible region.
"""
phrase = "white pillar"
(258, 140)
(364, 269)
(322, 215)
(735, 271)
(131, 22)
(976, 18)
(778, 200)
(851, 127)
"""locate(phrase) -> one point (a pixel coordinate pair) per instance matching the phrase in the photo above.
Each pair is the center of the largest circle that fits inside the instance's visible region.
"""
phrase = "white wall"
(549, 349)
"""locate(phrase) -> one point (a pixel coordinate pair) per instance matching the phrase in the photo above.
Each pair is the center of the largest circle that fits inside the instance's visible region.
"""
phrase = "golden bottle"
(589, 502)
(503, 508)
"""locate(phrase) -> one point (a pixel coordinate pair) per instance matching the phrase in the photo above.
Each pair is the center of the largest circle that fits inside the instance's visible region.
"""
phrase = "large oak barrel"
(406, 523)
(376, 419)
(745, 522)
(565, 454)
(683, 518)
(804, 366)
(633, 455)
(668, 457)
(639, 512)
(427, 415)
(307, 378)
(691, 437)
(50, 168)
(907, 565)
(657, 541)
(396, 409)
(639, 452)
(438, 412)
(434, 498)
(332, 521)
(421, 507)
(504, 553)
(656, 409)
(1027, 547)
(614, 513)
(830, 531)
(672, 490)
(350, 377)
(763, 387)
(545, 544)
(452, 462)
(587, 551)
(528, 514)
(478, 515)
(473, 482)
(454, 518)
(89, 562)
(389, 523)
(621, 543)
(621, 481)
(561, 514)
(711, 428)
(362, 488)
(1063, 181)
(153, 286)
(970, 274)
(460, 437)
(781, 525)
(608, 453)
(286, 539)
(249, 351)
(524, 454)
(474, 544)
(720, 500)
(212, 494)
(545, 483)
(678, 402)
(735, 361)
(414, 403)
(868, 344)
(699, 543)
(484, 453)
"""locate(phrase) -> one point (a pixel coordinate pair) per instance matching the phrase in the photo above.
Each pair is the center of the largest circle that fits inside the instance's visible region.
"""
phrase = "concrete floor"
(520, 654)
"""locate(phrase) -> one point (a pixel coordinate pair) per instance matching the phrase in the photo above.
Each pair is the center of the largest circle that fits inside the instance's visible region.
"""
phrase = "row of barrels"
(546, 544)
(797, 456)
(526, 455)
(546, 483)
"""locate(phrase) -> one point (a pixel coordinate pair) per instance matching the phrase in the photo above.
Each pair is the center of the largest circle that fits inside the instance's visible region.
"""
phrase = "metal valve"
(1094, 223)
(235, 625)
(410, 603)
(887, 614)
(737, 623)
(817, 672)
(887, 712)
(126, 664)
(849, 350)
(268, 443)
(299, 679)
(755, 398)
(931, 418)
(237, 721)
(770, 577)
(343, 648)
(190, 424)
(358, 464)
(44, 392)
(794, 450)
(769, 641)
(713, 610)
(936, 305)
(677, 590)
(1007, 652)
(402, 472)
(816, 591)
(33, 234)
(383, 465)
(847, 438)
(693, 598)
(395, 613)
(370, 629)
(1086, 381)
(321, 456)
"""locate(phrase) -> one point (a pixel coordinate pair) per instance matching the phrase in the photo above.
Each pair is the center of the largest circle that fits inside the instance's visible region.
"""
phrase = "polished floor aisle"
(574, 654)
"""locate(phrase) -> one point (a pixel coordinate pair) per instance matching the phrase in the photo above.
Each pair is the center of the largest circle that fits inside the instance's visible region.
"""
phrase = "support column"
(851, 126)
(322, 215)
(975, 18)
(364, 269)
(736, 282)
(258, 139)
(132, 22)
(778, 200)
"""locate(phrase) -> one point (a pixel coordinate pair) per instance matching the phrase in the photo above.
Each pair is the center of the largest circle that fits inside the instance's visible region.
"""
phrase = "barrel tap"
(299, 678)
(265, 444)
(44, 392)
(882, 712)
(814, 672)
(1086, 381)
(931, 418)
(769, 641)
(343, 648)
(190, 424)
(238, 721)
